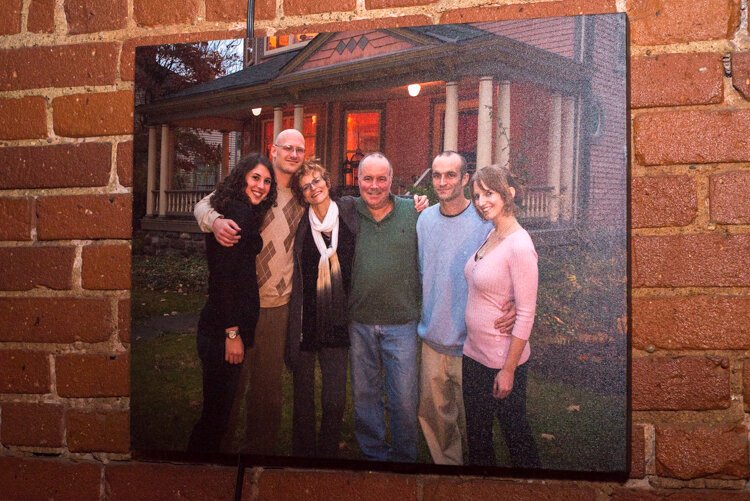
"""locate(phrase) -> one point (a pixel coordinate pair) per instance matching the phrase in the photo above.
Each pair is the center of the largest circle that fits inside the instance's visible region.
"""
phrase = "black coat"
(233, 297)
(347, 216)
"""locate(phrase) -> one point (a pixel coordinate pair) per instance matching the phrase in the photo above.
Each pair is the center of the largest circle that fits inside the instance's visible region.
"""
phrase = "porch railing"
(537, 201)
(180, 202)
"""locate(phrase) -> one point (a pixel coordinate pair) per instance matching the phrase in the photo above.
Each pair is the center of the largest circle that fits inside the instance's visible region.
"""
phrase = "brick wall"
(66, 93)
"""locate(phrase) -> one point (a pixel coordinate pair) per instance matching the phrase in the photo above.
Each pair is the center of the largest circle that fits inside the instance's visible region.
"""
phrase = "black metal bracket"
(250, 19)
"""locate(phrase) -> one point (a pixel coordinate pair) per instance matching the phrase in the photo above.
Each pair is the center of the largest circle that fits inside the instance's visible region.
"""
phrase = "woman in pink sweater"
(503, 269)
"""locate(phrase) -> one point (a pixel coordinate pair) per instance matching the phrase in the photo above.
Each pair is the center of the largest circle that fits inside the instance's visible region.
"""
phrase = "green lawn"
(575, 429)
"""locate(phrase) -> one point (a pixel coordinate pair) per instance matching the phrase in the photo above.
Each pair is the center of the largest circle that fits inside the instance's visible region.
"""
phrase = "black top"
(312, 340)
(233, 297)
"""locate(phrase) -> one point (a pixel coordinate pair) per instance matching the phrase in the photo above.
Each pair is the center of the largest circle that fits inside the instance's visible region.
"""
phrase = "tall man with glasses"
(260, 385)
(383, 310)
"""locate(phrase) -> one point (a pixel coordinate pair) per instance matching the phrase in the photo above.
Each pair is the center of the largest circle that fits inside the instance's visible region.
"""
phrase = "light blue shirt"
(444, 245)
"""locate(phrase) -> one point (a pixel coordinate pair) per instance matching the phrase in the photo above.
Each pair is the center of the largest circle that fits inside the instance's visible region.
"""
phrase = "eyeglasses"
(300, 150)
(312, 184)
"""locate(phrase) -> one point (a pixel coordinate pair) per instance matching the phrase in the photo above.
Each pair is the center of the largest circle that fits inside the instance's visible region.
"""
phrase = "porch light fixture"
(414, 89)
(256, 111)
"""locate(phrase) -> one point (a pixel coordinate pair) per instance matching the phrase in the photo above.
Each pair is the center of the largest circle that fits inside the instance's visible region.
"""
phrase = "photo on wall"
(293, 301)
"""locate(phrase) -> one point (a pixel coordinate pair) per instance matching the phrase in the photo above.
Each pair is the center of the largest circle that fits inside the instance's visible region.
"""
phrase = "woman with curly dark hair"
(227, 322)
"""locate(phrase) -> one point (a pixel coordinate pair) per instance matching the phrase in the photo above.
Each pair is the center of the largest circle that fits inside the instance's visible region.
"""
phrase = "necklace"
(494, 239)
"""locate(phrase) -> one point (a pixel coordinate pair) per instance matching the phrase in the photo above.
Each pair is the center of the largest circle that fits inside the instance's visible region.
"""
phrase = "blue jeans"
(384, 357)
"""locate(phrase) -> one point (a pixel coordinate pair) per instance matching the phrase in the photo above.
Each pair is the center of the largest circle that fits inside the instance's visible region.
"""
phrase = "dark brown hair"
(233, 186)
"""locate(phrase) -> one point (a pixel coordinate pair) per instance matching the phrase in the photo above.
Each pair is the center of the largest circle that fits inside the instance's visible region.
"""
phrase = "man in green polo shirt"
(384, 308)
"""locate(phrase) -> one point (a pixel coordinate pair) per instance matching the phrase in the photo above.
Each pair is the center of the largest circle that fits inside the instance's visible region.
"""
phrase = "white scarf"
(330, 292)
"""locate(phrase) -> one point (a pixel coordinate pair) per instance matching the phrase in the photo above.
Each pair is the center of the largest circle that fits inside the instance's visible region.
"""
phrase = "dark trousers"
(333, 365)
(481, 409)
(219, 386)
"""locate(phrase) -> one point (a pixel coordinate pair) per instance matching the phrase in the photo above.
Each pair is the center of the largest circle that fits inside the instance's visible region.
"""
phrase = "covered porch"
(492, 98)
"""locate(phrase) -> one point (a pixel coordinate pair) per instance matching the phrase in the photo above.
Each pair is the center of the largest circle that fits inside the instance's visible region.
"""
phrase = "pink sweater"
(507, 272)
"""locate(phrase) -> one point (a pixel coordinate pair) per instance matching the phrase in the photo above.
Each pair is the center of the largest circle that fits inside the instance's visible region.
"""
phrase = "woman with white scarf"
(323, 254)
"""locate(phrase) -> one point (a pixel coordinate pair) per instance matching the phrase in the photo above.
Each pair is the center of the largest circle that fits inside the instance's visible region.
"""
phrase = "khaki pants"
(259, 390)
(441, 406)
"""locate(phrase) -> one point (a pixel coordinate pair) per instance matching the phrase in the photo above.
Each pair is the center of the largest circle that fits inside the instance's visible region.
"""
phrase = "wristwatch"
(232, 334)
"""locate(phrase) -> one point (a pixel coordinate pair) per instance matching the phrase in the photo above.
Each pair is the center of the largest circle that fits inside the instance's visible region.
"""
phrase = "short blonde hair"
(308, 167)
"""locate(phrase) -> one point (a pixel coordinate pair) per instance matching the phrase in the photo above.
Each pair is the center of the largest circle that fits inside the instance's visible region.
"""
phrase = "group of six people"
(363, 280)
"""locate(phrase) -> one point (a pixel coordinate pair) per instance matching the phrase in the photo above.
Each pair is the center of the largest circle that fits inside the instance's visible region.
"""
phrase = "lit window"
(283, 42)
(362, 132)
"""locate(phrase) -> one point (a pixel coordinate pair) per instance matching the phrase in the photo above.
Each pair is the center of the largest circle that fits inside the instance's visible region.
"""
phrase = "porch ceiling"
(377, 77)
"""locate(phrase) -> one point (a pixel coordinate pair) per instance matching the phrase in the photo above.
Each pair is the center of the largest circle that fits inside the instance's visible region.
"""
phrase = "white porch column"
(502, 132)
(278, 116)
(484, 123)
(553, 156)
(163, 170)
(151, 178)
(568, 159)
(298, 117)
(450, 134)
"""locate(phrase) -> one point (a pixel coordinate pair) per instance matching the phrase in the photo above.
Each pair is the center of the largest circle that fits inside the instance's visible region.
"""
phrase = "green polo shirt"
(385, 278)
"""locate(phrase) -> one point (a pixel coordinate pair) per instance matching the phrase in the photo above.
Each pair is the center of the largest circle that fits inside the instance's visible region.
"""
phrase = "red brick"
(655, 22)
(153, 13)
(24, 372)
(730, 202)
(365, 24)
(106, 267)
(683, 137)
(161, 481)
(16, 216)
(98, 431)
(676, 80)
(41, 16)
(23, 118)
(37, 478)
(59, 66)
(25, 268)
(91, 16)
(93, 375)
(635, 494)
(227, 10)
(58, 166)
(746, 383)
(274, 484)
(123, 320)
(125, 163)
(642, 494)
(469, 489)
(703, 260)
(698, 322)
(741, 73)
(684, 383)
(638, 451)
(84, 216)
(303, 7)
(264, 9)
(55, 320)
(693, 451)
(100, 114)
(10, 21)
(127, 58)
(529, 10)
(387, 4)
(663, 201)
(37, 425)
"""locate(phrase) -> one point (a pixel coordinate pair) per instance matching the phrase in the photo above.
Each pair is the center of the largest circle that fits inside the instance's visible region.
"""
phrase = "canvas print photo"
(396, 246)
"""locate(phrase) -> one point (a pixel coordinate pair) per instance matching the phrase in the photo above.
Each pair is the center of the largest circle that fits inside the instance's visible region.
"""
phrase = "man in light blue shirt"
(448, 233)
